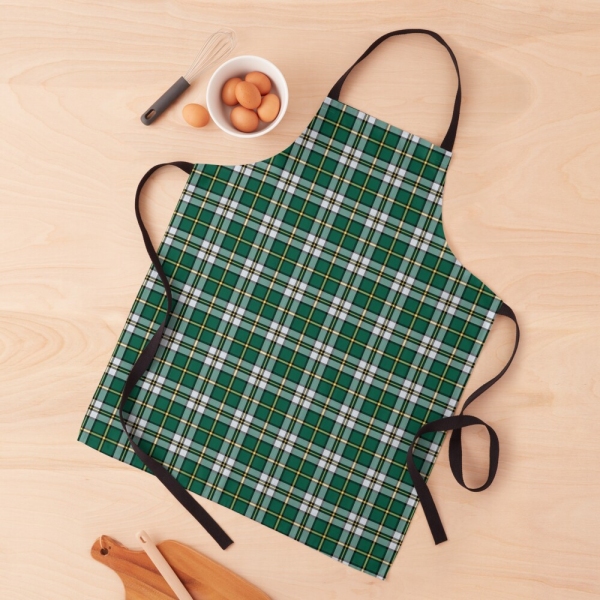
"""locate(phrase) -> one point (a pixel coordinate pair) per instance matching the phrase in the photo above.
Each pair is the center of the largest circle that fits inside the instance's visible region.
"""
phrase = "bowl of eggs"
(247, 96)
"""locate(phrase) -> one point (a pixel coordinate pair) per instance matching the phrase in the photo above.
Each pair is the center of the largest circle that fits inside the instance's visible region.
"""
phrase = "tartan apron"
(316, 337)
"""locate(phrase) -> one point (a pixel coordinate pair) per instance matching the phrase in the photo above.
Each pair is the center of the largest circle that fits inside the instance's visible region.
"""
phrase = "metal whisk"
(215, 49)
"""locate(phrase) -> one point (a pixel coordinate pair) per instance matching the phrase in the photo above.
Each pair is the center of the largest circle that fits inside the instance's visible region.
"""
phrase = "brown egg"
(260, 80)
(195, 115)
(269, 108)
(244, 119)
(228, 91)
(247, 94)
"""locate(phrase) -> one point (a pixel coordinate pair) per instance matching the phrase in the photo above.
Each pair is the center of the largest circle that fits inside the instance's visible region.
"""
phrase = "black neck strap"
(448, 142)
(456, 423)
(139, 368)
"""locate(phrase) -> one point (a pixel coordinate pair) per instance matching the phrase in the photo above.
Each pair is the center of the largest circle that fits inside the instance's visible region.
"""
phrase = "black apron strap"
(138, 370)
(448, 142)
(455, 424)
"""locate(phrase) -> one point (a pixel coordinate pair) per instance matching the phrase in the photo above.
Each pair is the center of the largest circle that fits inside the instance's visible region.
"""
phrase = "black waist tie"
(455, 424)
(140, 366)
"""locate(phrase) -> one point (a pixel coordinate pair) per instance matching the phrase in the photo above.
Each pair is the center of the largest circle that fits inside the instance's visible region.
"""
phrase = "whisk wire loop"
(216, 48)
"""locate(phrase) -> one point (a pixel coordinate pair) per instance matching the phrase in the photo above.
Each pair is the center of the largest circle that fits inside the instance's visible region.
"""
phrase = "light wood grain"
(521, 210)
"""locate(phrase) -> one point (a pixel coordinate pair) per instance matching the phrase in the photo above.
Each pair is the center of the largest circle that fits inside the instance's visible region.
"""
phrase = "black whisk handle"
(159, 107)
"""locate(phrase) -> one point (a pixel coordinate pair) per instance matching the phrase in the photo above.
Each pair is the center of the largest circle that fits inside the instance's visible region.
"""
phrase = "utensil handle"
(159, 107)
(164, 568)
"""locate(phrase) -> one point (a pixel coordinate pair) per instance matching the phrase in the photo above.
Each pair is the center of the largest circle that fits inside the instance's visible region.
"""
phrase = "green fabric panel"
(320, 320)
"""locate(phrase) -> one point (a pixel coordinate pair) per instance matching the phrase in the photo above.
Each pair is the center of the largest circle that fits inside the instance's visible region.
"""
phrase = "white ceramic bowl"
(239, 67)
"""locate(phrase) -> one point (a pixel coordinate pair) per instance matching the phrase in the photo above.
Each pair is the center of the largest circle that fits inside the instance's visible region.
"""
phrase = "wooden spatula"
(203, 578)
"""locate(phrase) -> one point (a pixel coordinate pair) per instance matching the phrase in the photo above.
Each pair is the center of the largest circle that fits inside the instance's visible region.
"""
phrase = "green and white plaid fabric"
(320, 320)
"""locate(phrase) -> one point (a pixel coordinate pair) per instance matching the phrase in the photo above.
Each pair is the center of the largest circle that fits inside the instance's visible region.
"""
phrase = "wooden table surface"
(521, 211)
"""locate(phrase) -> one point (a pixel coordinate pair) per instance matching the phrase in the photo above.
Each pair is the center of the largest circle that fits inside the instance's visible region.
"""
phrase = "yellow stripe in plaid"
(320, 320)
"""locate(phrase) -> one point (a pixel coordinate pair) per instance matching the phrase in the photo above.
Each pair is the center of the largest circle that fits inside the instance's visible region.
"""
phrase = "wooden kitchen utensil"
(203, 578)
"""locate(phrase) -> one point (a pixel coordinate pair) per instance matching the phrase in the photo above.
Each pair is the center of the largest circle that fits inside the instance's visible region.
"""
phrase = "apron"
(300, 343)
